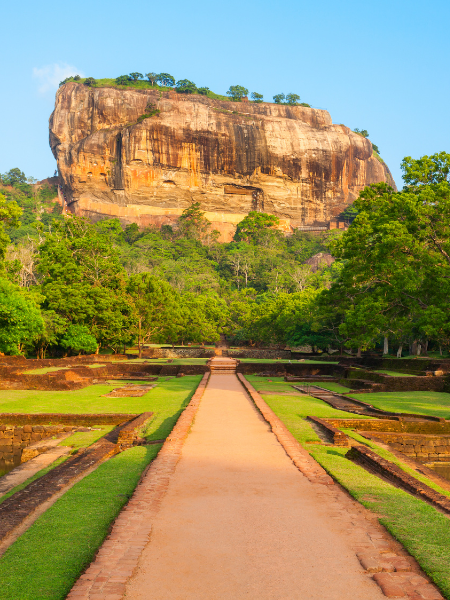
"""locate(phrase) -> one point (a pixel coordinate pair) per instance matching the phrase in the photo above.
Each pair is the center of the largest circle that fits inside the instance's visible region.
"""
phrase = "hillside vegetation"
(165, 82)
(71, 286)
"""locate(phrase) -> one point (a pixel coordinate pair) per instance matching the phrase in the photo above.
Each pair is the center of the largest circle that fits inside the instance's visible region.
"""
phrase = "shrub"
(78, 339)
(123, 80)
(292, 99)
(237, 92)
(184, 86)
(89, 81)
(152, 77)
(166, 79)
(257, 97)
(279, 98)
(203, 91)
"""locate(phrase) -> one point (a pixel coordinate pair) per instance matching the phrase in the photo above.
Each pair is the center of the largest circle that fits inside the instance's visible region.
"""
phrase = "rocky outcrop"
(231, 157)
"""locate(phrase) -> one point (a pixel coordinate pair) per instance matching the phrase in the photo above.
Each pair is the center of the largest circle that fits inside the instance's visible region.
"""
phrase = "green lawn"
(91, 399)
(46, 560)
(275, 384)
(332, 386)
(293, 410)
(285, 360)
(82, 439)
(190, 361)
(425, 403)
(422, 529)
(393, 373)
(44, 370)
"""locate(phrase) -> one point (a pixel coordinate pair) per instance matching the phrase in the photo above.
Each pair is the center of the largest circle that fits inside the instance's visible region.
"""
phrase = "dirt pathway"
(240, 521)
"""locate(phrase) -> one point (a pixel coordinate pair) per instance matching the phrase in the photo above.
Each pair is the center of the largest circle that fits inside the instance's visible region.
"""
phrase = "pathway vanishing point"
(232, 517)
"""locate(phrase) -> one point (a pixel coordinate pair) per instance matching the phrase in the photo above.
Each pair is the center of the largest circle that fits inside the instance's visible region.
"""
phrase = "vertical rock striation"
(231, 157)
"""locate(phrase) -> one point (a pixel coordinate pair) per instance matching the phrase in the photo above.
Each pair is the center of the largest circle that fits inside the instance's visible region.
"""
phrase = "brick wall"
(13, 439)
(396, 424)
(424, 448)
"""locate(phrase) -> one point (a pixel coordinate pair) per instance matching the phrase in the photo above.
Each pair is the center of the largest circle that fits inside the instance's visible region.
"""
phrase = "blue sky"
(380, 66)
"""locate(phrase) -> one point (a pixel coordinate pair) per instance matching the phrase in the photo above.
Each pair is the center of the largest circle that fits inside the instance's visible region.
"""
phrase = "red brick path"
(381, 557)
(397, 573)
(105, 578)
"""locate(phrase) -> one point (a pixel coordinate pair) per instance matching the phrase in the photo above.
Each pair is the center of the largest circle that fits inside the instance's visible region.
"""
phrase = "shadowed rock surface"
(290, 161)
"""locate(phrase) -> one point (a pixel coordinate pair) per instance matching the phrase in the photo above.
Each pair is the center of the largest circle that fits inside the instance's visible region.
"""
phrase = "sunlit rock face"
(231, 157)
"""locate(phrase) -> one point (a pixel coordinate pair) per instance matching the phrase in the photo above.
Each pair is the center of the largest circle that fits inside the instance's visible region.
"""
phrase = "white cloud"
(50, 75)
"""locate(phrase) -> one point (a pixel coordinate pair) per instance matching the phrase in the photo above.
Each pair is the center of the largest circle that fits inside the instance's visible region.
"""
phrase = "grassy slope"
(422, 530)
(40, 473)
(332, 386)
(145, 85)
(91, 399)
(47, 559)
(425, 403)
(293, 410)
(393, 373)
(83, 439)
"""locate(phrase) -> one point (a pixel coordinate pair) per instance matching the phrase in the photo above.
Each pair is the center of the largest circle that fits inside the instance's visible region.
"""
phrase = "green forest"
(70, 286)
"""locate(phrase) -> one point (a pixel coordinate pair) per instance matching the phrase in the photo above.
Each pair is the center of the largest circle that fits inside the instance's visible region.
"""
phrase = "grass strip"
(46, 560)
(83, 439)
(91, 399)
(436, 404)
(394, 459)
(332, 386)
(40, 473)
(393, 373)
(45, 370)
(423, 530)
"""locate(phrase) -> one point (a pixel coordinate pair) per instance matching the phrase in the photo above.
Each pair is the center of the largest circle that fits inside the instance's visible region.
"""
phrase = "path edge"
(299, 456)
(118, 556)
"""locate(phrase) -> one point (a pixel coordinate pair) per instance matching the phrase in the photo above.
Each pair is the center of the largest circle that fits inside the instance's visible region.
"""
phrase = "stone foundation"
(13, 439)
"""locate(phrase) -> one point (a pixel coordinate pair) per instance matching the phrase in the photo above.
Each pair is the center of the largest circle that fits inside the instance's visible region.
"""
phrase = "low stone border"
(129, 434)
(389, 470)
(299, 456)
(338, 437)
(397, 574)
(394, 424)
(18, 507)
(61, 418)
(106, 577)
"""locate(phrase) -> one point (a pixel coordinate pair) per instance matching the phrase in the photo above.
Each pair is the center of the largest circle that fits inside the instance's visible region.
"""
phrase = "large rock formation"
(231, 157)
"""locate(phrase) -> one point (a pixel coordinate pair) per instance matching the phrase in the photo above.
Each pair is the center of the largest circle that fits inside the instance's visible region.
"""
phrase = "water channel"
(8, 465)
(442, 469)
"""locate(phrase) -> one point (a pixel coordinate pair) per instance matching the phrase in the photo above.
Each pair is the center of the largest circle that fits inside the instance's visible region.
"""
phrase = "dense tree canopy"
(67, 285)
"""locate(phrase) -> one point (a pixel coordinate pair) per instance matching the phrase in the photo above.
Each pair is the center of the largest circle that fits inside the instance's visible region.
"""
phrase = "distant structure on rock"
(290, 161)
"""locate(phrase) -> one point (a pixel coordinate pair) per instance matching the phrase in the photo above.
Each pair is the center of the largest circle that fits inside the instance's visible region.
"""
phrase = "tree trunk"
(425, 348)
(419, 348)
(139, 340)
(399, 351)
(386, 345)
(440, 350)
(413, 349)
(358, 354)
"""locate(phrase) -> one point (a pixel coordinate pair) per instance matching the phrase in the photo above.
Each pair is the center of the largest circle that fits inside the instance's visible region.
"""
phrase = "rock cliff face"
(231, 157)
